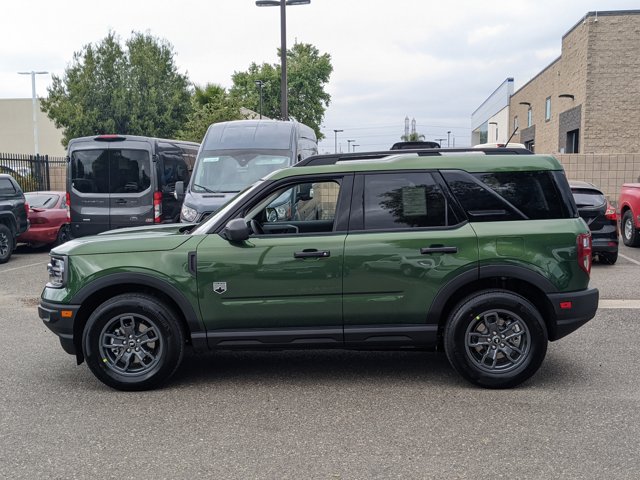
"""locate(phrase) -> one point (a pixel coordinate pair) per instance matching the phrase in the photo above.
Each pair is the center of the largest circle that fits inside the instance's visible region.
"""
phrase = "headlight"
(57, 269)
(188, 214)
(283, 212)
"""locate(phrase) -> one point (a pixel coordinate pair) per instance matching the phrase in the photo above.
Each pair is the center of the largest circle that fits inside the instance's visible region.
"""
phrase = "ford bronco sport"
(483, 257)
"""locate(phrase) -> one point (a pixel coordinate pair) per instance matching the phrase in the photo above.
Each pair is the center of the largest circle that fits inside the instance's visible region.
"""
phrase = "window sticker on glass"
(414, 201)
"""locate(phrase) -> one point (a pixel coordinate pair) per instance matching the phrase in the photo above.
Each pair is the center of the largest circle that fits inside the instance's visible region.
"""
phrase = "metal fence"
(35, 172)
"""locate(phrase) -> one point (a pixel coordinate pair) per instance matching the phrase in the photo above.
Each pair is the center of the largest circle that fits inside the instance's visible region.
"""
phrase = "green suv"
(482, 256)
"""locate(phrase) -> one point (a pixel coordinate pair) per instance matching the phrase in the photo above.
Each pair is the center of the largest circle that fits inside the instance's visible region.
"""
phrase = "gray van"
(236, 154)
(116, 181)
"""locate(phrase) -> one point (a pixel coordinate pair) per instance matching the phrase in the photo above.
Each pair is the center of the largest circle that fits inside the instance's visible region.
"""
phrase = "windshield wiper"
(204, 188)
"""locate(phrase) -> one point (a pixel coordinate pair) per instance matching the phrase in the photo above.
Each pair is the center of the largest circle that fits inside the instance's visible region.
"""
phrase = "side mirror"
(305, 192)
(178, 193)
(236, 230)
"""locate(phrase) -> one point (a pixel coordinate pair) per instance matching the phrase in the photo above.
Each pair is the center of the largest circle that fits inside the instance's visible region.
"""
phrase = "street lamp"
(349, 144)
(284, 101)
(260, 84)
(33, 105)
(335, 132)
(448, 136)
(440, 140)
(354, 146)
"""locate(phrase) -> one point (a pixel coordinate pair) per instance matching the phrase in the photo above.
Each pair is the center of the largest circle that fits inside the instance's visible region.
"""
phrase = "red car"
(48, 218)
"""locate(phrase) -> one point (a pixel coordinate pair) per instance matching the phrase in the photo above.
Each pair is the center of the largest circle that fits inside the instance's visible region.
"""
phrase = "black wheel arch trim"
(195, 325)
(485, 271)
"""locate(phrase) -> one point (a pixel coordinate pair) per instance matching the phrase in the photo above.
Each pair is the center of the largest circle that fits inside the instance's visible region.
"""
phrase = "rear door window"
(404, 200)
(110, 171)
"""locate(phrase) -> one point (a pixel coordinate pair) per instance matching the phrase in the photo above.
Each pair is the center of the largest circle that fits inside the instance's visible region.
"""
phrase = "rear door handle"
(428, 250)
(121, 201)
(312, 253)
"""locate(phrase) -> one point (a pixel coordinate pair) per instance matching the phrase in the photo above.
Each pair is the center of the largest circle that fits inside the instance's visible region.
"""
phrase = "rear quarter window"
(6, 187)
(500, 196)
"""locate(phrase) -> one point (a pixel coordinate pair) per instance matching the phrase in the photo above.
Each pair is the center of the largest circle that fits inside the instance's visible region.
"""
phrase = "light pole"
(448, 137)
(260, 84)
(335, 132)
(349, 144)
(33, 105)
(284, 101)
(354, 146)
(440, 140)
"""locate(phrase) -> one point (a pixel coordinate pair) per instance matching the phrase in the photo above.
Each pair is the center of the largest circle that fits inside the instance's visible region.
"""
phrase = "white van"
(236, 154)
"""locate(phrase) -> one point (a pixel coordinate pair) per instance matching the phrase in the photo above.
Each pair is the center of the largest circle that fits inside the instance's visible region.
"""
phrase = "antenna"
(514, 132)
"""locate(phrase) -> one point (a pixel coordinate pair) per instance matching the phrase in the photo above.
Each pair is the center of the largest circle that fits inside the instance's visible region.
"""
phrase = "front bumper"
(572, 310)
(59, 318)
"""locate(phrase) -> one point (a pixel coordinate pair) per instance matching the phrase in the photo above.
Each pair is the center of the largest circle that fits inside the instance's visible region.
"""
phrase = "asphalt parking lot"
(323, 414)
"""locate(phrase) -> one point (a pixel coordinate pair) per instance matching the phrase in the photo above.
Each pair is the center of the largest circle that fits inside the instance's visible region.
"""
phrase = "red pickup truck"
(629, 206)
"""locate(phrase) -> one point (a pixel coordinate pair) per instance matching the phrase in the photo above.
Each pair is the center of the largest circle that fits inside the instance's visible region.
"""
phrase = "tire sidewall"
(170, 332)
(6, 232)
(632, 240)
(464, 314)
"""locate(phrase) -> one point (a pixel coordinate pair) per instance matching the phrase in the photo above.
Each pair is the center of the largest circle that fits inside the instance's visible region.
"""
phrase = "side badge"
(219, 287)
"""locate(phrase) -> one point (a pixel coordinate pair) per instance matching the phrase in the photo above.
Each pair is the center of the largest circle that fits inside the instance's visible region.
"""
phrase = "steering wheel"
(256, 227)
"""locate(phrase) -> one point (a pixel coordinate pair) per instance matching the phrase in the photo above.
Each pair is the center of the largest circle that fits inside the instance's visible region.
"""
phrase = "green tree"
(135, 90)
(308, 73)
(209, 104)
(412, 137)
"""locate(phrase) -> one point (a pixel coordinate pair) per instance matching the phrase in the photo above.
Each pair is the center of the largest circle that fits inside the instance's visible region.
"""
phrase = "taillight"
(584, 252)
(611, 214)
(157, 207)
(68, 204)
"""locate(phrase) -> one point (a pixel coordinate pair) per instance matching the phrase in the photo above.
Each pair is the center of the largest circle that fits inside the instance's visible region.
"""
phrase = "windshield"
(232, 170)
(205, 227)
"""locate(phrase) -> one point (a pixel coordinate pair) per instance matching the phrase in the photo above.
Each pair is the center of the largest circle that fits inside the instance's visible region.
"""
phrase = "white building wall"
(16, 129)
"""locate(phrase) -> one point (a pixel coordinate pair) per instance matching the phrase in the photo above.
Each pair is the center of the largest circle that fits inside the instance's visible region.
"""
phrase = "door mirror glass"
(178, 193)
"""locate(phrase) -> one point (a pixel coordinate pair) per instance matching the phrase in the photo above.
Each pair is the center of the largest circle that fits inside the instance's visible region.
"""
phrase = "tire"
(64, 235)
(7, 243)
(145, 360)
(630, 235)
(515, 359)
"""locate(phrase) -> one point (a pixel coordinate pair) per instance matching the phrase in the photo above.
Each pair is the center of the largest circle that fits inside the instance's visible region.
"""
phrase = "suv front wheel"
(133, 342)
(495, 339)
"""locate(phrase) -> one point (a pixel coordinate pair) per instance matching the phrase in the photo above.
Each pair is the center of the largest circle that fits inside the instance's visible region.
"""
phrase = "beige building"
(588, 99)
(16, 129)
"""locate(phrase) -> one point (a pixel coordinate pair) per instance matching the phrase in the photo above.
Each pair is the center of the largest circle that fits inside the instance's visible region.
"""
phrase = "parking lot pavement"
(320, 414)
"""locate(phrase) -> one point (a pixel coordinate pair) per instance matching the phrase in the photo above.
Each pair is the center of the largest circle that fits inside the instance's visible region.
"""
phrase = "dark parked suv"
(13, 215)
(601, 217)
(481, 256)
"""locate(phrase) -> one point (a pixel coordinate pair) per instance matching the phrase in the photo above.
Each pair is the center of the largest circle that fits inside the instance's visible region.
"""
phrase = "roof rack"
(332, 158)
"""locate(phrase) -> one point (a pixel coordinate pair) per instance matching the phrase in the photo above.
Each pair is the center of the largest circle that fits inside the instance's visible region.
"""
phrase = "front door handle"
(440, 249)
(312, 253)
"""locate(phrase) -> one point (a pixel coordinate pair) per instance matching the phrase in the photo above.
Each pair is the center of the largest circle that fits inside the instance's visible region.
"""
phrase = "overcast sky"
(391, 59)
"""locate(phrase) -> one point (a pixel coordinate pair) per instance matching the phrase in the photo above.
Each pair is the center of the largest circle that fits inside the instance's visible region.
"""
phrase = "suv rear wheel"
(133, 342)
(7, 243)
(495, 339)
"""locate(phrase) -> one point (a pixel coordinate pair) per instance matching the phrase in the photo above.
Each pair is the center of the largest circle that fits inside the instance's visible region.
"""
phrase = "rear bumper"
(572, 310)
(59, 319)
(39, 235)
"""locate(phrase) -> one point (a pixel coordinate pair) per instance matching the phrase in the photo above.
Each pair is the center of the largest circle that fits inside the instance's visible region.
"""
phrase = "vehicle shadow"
(313, 366)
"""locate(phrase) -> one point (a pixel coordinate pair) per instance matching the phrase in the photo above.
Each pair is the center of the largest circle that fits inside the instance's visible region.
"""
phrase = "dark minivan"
(117, 181)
